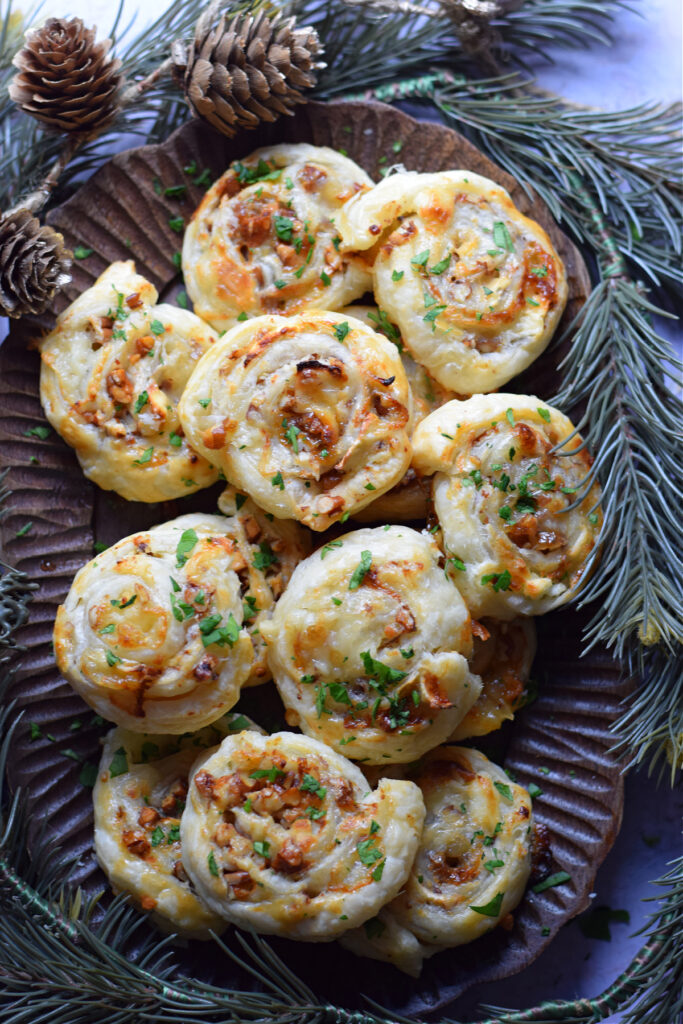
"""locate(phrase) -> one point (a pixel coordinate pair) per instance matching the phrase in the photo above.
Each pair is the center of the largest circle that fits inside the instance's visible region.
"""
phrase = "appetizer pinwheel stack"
(389, 642)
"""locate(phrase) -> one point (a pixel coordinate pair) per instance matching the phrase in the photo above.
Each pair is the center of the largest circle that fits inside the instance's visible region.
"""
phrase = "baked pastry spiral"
(310, 415)
(368, 646)
(272, 548)
(264, 240)
(112, 372)
(502, 658)
(518, 517)
(471, 867)
(281, 834)
(152, 634)
(475, 287)
(407, 500)
(138, 798)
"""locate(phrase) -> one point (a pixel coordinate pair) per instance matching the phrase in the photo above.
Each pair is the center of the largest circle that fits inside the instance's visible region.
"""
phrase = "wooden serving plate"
(560, 742)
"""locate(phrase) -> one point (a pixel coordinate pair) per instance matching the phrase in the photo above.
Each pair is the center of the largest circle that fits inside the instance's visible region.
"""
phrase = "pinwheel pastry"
(263, 239)
(272, 548)
(112, 372)
(310, 415)
(475, 287)
(409, 498)
(151, 633)
(472, 864)
(514, 495)
(502, 658)
(138, 798)
(281, 834)
(368, 646)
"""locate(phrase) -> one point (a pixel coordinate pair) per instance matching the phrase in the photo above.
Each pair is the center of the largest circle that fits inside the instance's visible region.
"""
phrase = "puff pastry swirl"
(309, 414)
(472, 864)
(368, 646)
(263, 239)
(517, 524)
(151, 633)
(138, 798)
(112, 372)
(280, 834)
(475, 287)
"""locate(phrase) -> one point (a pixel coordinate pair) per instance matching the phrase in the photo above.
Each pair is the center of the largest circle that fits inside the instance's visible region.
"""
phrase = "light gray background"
(644, 63)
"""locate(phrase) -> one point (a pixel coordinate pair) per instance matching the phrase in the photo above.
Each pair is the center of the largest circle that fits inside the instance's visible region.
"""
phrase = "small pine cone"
(249, 70)
(33, 264)
(66, 79)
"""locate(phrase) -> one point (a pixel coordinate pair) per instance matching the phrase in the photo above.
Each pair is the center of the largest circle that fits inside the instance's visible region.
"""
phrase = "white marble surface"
(643, 63)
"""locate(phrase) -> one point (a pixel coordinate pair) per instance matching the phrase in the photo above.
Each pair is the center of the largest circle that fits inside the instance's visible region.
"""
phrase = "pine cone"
(250, 70)
(66, 79)
(33, 264)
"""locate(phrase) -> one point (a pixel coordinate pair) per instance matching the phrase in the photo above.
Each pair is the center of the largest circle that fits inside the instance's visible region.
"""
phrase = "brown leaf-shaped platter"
(560, 742)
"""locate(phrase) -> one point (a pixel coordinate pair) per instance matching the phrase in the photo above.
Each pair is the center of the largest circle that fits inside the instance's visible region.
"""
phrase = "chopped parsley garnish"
(175, 439)
(431, 316)
(145, 457)
(540, 271)
(558, 878)
(326, 279)
(187, 541)
(158, 836)
(211, 861)
(442, 265)
(176, 224)
(328, 547)
(381, 673)
(386, 327)
(242, 316)
(534, 790)
(119, 763)
(182, 300)
(456, 562)
(421, 259)
(510, 417)
(277, 481)
(82, 253)
(264, 557)
(368, 852)
(280, 284)
(397, 275)
(498, 580)
(140, 401)
(267, 773)
(501, 236)
(42, 432)
(112, 659)
(505, 512)
(491, 909)
(262, 172)
(360, 571)
(374, 927)
(407, 653)
(311, 785)
(88, 775)
(491, 865)
(156, 327)
(341, 330)
(107, 629)
(26, 528)
(262, 847)
(213, 633)
(177, 260)
(532, 302)
(504, 790)
(292, 434)
(543, 413)
(284, 227)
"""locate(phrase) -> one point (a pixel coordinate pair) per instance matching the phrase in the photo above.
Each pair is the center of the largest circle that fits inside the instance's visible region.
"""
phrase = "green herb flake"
(26, 528)
(540, 271)
(504, 790)
(175, 440)
(361, 570)
(328, 547)
(311, 785)
(277, 481)
(264, 557)
(82, 253)
(421, 259)
(112, 659)
(491, 865)
(501, 236)
(267, 773)
(261, 847)
(510, 417)
(145, 457)
(491, 909)
(182, 300)
(383, 674)
(368, 852)
(211, 861)
(157, 328)
(141, 401)
(430, 317)
(558, 878)
(326, 279)
(532, 302)
(534, 791)
(499, 581)
(341, 330)
(118, 764)
(176, 224)
(441, 266)
(397, 275)
(42, 432)
(187, 541)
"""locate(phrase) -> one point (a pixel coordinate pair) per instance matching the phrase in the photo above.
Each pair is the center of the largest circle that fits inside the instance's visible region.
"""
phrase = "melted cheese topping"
(369, 644)
(517, 521)
(138, 798)
(472, 864)
(272, 549)
(502, 658)
(263, 239)
(280, 834)
(309, 414)
(476, 288)
(112, 372)
(151, 633)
